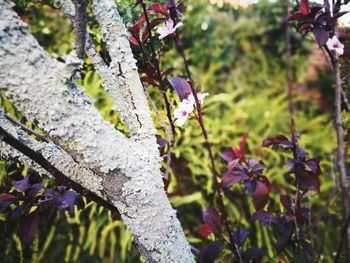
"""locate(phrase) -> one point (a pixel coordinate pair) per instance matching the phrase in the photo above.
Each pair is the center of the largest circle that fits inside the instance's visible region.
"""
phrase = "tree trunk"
(124, 171)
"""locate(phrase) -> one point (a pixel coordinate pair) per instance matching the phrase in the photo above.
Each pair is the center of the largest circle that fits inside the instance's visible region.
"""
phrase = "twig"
(199, 118)
(25, 128)
(155, 62)
(340, 149)
(343, 236)
(168, 133)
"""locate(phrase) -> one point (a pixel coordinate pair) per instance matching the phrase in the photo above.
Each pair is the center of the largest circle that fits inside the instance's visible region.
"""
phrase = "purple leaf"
(228, 155)
(286, 202)
(265, 218)
(301, 154)
(68, 200)
(321, 35)
(252, 254)
(181, 86)
(240, 236)
(33, 191)
(287, 231)
(21, 185)
(212, 218)
(162, 142)
(6, 200)
(314, 165)
(231, 178)
(28, 227)
(211, 251)
(49, 193)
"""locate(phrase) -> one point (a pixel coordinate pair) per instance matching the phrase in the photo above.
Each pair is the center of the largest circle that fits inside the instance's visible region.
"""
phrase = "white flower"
(186, 107)
(182, 112)
(200, 97)
(168, 29)
(334, 44)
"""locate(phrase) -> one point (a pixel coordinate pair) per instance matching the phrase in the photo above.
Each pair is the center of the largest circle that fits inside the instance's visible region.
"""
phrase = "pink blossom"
(168, 29)
(186, 107)
(334, 44)
(182, 112)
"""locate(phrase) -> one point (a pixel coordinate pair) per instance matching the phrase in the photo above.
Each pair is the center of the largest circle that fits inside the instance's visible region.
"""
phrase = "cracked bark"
(129, 169)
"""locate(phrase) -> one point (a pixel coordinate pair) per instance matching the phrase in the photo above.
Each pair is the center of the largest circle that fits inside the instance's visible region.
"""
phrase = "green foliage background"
(238, 57)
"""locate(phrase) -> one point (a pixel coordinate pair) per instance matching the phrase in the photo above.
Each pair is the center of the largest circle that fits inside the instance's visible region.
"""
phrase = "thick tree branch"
(123, 65)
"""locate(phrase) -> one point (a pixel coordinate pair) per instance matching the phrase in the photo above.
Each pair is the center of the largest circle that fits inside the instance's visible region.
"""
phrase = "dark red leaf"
(321, 35)
(28, 227)
(211, 251)
(133, 41)
(242, 146)
(151, 71)
(303, 27)
(141, 20)
(157, 7)
(335, 17)
(181, 6)
(304, 6)
(155, 22)
(21, 185)
(146, 79)
(167, 71)
(181, 86)
(279, 139)
(296, 16)
(145, 35)
(308, 180)
(212, 218)
(205, 230)
(260, 194)
(6, 200)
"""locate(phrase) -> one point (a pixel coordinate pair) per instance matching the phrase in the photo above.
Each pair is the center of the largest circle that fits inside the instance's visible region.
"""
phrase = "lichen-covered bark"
(41, 88)
(55, 155)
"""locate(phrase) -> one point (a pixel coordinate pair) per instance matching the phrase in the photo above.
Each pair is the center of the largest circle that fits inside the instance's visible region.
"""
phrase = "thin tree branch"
(25, 128)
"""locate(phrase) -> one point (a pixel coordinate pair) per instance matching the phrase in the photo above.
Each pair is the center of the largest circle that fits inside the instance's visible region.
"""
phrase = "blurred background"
(237, 55)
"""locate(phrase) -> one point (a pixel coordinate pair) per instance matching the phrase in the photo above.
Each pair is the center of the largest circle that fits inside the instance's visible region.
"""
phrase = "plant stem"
(340, 149)
(155, 63)
(218, 189)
